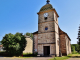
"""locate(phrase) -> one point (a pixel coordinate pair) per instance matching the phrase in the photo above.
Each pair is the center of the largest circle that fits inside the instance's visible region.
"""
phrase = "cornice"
(48, 11)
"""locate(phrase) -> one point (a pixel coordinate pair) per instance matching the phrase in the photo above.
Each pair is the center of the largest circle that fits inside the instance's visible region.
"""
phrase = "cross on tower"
(47, 1)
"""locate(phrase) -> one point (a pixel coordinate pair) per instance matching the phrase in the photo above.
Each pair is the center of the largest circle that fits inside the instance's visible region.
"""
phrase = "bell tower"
(48, 34)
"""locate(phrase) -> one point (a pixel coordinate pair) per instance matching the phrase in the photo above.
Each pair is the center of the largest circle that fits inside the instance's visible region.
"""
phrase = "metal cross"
(47, 1)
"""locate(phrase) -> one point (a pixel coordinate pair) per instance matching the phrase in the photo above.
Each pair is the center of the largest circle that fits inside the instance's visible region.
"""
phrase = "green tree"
(14, 44)
(76, 47)
(73, 49)
(29, 34)
(0, 42)
(79, 38)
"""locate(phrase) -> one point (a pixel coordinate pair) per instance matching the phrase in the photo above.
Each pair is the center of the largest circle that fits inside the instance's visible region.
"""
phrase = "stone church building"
(50, 39)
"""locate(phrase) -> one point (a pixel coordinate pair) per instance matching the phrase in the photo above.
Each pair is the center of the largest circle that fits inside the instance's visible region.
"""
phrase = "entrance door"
(46, 50)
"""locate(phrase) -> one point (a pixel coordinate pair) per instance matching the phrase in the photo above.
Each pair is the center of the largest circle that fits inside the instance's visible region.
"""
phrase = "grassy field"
(66, 57)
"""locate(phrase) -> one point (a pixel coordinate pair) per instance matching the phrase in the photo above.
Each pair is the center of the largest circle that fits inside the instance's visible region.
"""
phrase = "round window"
(46, 28)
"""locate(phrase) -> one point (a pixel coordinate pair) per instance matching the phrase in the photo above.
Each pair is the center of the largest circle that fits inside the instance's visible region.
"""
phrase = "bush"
(14, 44)
(75, 52)
(29, 55)
(3, 53)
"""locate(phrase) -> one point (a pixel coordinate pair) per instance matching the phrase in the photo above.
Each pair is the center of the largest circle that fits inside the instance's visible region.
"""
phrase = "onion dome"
(46, 7)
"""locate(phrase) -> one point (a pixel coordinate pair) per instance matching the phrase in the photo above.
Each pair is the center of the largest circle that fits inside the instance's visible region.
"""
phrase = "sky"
(21, 16)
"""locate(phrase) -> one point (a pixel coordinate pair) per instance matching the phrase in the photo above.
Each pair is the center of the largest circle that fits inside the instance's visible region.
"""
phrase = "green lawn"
(60, 58)
(66, 57)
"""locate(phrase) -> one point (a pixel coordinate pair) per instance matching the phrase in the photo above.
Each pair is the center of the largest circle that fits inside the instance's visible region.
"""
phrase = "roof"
(46, 7)
(35, 32)
(1, 46)
(62, 32)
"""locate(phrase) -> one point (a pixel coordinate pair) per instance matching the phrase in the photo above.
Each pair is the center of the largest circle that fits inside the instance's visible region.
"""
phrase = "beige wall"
(56, 34)
(68, 45)
(35, 43)
(55, 18)
(57, 44)
(29, 45)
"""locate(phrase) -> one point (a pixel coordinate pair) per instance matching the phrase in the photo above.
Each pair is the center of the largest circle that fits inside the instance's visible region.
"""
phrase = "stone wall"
(68, 45)
(63, 44)
(46, 37)
(49, 25)
(41, 50)
(50, 17)
(35, 43)
(56, 35)
(57, 44)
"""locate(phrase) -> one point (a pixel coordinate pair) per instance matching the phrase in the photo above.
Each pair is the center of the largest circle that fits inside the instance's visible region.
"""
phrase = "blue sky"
(21, 16)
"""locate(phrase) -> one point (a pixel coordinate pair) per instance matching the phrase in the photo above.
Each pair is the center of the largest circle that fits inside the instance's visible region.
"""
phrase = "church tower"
(48, 34)
(50, 40)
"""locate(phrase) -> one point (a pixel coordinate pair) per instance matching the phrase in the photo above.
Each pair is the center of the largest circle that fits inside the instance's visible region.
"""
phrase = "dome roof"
(46, 7)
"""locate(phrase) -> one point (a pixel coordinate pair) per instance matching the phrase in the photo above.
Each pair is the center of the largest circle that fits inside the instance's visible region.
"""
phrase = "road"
(33, 58)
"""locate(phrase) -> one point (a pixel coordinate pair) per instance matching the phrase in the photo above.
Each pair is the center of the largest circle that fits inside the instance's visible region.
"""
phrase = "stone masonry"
(50, 39)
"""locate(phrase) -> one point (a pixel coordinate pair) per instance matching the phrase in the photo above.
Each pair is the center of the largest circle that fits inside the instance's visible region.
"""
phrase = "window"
(46, 28)
(45, 18)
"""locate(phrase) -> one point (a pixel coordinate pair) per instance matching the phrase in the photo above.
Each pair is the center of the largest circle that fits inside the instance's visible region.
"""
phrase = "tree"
(29, 34)
(72, 48)
(14, 44)
(76, 47)
(79, 38)
(0, 42)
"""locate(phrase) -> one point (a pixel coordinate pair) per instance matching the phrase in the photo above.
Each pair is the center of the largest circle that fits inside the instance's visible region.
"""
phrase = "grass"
(66, 57)
(24, 57)
(28, 55)
(60, 58)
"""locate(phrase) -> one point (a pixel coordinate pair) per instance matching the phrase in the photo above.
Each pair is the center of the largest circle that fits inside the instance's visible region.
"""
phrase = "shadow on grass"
(74, 56)
(29, 55)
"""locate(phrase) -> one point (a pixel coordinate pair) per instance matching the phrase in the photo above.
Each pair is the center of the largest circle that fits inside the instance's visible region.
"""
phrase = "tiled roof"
(46, 7)
(0, 45)
(62, 32)
(35, 32)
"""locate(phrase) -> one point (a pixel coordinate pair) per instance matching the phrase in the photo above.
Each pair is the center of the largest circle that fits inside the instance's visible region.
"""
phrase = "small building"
(29, 45)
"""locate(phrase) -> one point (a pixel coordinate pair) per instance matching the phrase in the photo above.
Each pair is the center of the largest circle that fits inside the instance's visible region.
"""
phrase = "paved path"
(33, 58)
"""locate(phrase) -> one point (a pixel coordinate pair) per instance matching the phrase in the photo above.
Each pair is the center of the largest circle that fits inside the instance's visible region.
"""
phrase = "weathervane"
(47, 1)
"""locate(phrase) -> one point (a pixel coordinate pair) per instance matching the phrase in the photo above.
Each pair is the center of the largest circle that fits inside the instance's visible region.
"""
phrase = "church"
(50, 39)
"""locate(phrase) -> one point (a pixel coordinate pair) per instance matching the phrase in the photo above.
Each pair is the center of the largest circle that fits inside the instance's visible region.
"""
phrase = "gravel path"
(33, 58)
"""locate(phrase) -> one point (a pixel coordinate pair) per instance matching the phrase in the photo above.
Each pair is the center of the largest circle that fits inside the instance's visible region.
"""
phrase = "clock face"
(45, 14)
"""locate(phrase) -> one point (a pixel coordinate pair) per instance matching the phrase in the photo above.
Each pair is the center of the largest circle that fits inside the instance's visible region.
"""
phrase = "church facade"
(50, 39)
